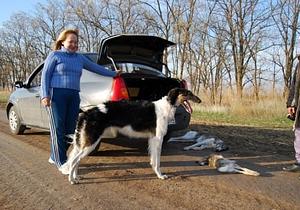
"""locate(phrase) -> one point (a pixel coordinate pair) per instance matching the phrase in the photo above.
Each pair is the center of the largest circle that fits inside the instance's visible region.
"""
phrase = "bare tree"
(275, 72)
(49, 21)
(17, 41)
(286, 19)
(243, 21)
(183, 14)
(158, 19)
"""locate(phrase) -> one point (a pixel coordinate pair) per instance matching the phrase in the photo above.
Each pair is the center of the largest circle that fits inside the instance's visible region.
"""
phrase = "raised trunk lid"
(143, 49)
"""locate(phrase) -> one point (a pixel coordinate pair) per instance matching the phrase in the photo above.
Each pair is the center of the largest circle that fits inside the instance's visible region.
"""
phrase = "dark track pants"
(63, 114)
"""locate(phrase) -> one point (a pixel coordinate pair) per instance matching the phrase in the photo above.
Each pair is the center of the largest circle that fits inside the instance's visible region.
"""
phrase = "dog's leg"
(245, 171)
(72, 155)
(73, 152)
(73, 174)
(193, 146)
(150, 150)
(155, 146)
(73, 162)
(200, 145)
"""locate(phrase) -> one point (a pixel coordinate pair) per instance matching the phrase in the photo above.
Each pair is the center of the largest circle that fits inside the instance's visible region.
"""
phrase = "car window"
(136, 68)
(34, 80)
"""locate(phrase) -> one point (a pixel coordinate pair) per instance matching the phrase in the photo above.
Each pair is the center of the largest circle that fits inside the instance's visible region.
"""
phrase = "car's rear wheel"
(14, 122)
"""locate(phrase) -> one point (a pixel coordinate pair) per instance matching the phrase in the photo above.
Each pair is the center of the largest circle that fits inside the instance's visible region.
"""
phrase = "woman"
(60, 86)
(293, 109)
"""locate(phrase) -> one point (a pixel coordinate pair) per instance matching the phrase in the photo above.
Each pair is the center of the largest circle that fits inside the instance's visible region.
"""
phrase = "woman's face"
(71, 43)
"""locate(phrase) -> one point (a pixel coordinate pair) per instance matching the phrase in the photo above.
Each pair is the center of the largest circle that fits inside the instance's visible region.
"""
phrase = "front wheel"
(14, 122)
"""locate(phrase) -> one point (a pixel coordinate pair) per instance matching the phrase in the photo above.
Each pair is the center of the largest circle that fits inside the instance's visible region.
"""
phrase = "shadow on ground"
(261, 149)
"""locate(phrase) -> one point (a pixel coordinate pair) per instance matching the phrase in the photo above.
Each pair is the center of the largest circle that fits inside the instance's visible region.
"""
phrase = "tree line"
(241, 46)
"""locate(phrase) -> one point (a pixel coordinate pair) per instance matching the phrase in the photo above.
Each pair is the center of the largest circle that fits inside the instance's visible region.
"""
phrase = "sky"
(10, 7)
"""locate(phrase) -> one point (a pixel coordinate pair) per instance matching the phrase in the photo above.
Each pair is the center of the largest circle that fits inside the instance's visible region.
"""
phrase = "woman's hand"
(118, 71)
(46, 101)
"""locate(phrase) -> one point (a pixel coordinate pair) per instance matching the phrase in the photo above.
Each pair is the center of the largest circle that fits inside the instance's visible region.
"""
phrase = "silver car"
(144, 77)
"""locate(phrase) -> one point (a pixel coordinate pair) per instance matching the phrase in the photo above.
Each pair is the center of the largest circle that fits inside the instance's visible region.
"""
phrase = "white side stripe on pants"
(54, 143)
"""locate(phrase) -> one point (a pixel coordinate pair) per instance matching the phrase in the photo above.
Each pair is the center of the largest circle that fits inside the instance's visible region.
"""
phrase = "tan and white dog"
(224, 165)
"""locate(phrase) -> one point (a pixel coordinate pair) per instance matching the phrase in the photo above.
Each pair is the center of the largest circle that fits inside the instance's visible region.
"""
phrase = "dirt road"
(119, 176)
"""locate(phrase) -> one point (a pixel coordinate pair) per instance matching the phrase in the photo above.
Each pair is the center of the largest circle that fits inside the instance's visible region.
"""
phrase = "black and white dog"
(133, 119)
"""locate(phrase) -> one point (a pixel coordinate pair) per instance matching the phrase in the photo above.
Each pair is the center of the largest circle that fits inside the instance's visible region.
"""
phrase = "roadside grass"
(267, 113)
(3, 98)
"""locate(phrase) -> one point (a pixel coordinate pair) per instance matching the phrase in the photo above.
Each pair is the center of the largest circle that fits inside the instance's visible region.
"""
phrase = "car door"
(29, 102)
(44, 121)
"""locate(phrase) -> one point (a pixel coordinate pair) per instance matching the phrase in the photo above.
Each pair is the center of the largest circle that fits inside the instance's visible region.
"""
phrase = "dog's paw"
(162, 176)
(151, 163)
(74, 182)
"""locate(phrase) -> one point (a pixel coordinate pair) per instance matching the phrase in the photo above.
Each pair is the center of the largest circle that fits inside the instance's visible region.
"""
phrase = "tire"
(182, 118)
(14, 122)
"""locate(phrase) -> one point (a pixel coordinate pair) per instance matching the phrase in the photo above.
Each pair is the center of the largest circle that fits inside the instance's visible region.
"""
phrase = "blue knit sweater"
(62, 69)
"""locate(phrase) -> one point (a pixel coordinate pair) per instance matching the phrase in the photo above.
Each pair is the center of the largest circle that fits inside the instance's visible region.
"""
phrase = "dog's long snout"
(194, 98)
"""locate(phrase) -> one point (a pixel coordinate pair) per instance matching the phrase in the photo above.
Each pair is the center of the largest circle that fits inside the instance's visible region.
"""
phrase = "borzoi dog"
(225, 165)
(207, 141)
(133, 119)
(202, 141)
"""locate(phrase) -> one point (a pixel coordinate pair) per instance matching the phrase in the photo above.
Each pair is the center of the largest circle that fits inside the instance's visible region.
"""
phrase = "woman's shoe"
(51, 161)
(292, 168)
(64, 169)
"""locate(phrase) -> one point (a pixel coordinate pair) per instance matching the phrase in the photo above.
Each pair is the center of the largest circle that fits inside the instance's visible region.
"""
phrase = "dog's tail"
(76, 138)
(246, 171)
(79, 126)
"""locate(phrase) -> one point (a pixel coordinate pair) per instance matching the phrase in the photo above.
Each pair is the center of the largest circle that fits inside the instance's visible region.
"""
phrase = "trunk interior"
(147, 87)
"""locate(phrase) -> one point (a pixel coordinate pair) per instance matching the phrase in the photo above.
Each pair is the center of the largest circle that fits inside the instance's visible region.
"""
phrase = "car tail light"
(183, 84)
(119, 90)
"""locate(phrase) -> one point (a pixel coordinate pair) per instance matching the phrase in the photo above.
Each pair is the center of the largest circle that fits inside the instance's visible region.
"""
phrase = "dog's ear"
(212, 160)
(172, 95)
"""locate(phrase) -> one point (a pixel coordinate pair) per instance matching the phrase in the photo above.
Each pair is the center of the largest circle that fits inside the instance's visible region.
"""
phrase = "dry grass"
(268, 112)
(3, 98)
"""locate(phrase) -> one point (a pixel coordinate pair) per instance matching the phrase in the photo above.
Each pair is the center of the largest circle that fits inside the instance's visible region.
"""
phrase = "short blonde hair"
(62, 37)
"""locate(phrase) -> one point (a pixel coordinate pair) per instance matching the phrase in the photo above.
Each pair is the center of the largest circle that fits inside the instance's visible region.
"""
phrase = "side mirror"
(19, 84)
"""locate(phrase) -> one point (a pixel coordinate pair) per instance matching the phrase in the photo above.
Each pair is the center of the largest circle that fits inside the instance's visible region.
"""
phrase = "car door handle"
(37, 95)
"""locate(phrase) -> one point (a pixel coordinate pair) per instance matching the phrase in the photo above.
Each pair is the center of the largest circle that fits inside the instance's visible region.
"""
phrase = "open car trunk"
(142, 87)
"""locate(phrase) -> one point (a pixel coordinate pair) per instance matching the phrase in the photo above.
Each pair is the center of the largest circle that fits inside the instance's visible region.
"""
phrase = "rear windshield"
(128, 67)
(136, 68)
